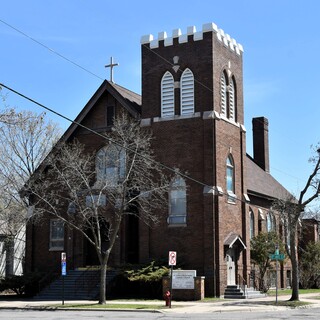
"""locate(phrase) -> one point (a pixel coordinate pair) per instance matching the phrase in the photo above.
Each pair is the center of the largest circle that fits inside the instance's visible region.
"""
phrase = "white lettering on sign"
(183, 279)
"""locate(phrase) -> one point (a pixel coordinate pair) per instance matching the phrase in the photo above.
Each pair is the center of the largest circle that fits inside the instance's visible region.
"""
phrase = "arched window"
(223, 93)
(167, 95)
(251, 217)
(230, 174)
(187, 92)
(228, 94)
(177, 201)
(271, 222)
(232, 100)
(110, 165)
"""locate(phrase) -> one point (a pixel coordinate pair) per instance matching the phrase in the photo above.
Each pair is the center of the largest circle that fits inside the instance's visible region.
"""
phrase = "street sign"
(63, 268)
(63, 264)
(172, 258)
(279, 256)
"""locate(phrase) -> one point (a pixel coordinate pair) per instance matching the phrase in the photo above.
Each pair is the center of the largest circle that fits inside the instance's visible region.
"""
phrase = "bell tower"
(209, 56)
(192, 98)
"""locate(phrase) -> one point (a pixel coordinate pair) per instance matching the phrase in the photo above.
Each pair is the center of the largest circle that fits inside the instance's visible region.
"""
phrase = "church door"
(231, 267)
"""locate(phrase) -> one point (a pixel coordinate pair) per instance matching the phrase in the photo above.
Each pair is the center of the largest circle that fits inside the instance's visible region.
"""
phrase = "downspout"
(243, 206)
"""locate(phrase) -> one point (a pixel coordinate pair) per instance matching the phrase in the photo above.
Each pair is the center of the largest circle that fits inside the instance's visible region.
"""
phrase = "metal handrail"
(83, 281)
(242, 284)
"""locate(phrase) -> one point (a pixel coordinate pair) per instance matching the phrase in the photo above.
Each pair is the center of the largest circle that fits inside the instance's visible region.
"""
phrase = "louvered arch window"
(232, 100)
(223, 93)
(187, 92)
(167, 95)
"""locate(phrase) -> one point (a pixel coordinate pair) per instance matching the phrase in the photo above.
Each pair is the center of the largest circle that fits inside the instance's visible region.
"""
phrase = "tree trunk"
(103, 272)
(295, 267)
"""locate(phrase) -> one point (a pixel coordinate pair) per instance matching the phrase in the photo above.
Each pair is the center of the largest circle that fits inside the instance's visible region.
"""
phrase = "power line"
(51, 50)
(221, 193)
(88, 71)
(98, 134)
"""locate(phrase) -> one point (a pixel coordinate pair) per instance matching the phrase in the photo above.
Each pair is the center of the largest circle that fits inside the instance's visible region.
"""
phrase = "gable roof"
(261, 183)
(130, 100)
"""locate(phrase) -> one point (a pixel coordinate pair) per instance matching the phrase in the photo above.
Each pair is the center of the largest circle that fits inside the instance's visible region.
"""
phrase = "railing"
(46, 280)
(86, 281)
(242, 283)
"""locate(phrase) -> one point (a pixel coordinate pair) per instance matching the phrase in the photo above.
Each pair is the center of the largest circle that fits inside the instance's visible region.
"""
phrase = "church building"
(192, 100)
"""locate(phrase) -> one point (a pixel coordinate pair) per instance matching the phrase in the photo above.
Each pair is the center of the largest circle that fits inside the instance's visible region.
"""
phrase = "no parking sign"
(172, 258)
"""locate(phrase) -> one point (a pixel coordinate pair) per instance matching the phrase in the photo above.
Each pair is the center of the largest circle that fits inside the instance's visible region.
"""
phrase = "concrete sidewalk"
(256, 305)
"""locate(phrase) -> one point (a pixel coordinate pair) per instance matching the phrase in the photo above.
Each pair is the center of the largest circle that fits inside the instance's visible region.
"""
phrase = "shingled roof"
(261, 183)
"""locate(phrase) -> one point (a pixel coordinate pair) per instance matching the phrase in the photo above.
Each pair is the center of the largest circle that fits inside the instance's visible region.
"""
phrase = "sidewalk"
(256, 305)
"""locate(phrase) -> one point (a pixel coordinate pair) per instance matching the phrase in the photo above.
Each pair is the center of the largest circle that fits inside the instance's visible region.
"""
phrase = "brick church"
(192, 100)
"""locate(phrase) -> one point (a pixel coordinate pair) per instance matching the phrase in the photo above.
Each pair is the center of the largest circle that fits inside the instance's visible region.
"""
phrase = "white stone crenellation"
(197, 35)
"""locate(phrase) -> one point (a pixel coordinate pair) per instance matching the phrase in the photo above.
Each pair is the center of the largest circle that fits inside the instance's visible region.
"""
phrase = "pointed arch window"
(167, 95)
(232, 100)
(187, 92)
(271, 222)
(110, 165)
(177, 202)
(223, 92)
(228, 96)
(252, 227)
(230, 179)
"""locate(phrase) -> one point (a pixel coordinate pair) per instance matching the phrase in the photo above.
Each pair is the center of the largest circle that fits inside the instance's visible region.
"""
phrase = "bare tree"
(25, 140)
(92, 193)
(290, 211)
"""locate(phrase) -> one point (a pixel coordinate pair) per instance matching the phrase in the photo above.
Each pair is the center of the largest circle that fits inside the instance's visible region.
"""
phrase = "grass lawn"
(284, 292)
(113, 306)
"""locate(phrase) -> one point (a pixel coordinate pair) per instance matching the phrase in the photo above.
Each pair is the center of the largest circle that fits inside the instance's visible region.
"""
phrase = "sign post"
(172, 262)
(277, 257)
(63, 271)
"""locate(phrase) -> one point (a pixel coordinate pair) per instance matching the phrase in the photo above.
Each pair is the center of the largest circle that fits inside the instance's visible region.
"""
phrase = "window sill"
(177, 221)
(56, 249)
(231, 197)
(177, 225)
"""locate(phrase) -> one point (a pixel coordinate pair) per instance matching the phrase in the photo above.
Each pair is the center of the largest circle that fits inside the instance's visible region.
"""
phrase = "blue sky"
(281, 41)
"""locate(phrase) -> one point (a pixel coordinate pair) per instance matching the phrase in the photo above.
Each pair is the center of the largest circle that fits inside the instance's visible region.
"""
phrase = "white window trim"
(167, 95)
(187, 93)
(223, 93)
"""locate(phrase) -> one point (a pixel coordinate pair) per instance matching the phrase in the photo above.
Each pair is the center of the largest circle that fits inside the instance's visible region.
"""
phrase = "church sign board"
(183, 279)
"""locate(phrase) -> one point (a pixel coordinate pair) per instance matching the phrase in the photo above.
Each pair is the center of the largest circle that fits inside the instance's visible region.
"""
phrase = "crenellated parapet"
(197, 36)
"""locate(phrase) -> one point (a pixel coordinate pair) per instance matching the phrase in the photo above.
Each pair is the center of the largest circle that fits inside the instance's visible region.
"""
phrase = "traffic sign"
(172, 258)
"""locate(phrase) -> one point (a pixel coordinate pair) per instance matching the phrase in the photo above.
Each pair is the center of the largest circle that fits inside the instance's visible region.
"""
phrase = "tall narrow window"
(167, 95)
(251, 217)
(223, 93)
(232, 101)
(187, 92)
(110, 165)
(271, 222)
(228, 94)
(230, 179)
(110, 115)
(177, 201)
(56, 235)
